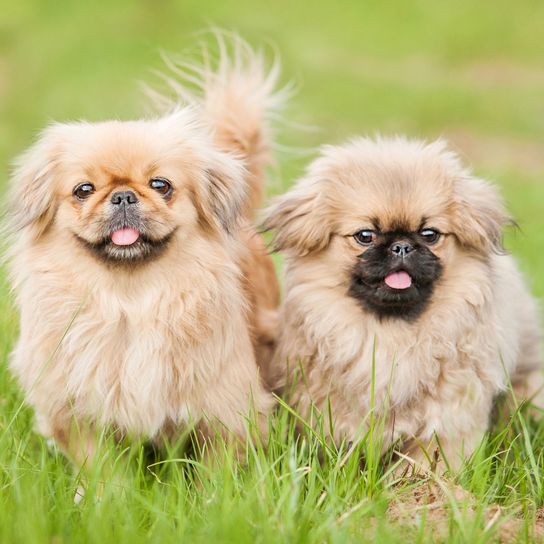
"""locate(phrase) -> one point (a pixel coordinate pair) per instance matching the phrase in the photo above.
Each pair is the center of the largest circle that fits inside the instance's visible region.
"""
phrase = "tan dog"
(144, 292)
(393, 253)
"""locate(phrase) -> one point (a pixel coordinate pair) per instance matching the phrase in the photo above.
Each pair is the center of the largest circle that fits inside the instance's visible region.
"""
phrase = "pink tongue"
(398, 280)
(124, 237)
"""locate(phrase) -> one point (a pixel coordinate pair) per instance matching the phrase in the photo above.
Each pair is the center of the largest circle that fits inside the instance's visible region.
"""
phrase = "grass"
(468, 71)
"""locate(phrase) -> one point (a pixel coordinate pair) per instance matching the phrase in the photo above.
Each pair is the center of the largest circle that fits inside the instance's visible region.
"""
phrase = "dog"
(400, 303)
(147, 300)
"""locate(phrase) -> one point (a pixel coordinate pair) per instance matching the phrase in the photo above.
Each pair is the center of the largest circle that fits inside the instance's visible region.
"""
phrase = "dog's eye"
(431, 236)
(162, 186)
(83, 190)
(365, 237)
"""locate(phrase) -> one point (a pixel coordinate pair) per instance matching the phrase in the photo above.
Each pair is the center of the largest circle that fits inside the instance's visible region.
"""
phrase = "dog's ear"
(300, 220)
(32, 202)
(221, 194)
(479, 214)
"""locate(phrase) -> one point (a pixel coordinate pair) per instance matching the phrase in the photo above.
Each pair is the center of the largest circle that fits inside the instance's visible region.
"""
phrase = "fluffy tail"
(237, 95)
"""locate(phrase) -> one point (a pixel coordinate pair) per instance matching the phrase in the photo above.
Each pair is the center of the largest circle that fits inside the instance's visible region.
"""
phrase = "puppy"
(144, 292)
(397, 289)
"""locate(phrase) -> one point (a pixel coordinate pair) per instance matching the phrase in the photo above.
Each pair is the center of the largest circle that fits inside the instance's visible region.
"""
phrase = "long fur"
(146, 350)
(238, 95)
(436, 378)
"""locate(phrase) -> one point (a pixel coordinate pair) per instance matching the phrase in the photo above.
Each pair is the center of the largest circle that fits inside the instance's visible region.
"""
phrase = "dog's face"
(395, 273)
(125, 190)
(388, 219)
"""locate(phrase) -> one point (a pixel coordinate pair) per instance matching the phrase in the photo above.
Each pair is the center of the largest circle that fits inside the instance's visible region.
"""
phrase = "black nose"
(401, 249)
(123, 197)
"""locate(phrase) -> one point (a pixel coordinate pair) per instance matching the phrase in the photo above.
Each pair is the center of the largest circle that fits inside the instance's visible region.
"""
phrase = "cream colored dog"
(393, 254)
(145, 294)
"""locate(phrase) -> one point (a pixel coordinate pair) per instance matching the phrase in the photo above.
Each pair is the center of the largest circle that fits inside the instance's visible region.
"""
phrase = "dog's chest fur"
(136, 359)
(418, 374)
(137, 372)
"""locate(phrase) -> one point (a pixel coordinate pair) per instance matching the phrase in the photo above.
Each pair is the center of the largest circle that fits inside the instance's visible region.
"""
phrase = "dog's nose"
(401, 249)
(124, 197)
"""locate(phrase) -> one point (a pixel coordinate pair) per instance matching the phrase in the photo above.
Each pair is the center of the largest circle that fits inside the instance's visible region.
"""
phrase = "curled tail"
(237, 95)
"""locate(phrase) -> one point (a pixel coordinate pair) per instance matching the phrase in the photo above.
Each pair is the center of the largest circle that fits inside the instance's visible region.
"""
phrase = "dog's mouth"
(125, 236)
(397, 292)
(399, 287)
(127, 245)
(399, 280)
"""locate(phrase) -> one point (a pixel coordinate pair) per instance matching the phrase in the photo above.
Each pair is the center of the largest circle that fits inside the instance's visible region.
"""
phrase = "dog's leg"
(529, 386)
(231, 420)
(527, 378)
(76, 439)
(449, 442)
(439, 454)
(213, 440)
(79, 442)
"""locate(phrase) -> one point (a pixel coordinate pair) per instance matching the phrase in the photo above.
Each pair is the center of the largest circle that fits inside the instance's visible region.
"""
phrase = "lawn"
(467, 71)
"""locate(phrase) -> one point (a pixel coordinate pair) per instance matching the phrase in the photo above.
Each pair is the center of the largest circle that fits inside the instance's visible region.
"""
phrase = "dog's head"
(388, 218)
(124, 190)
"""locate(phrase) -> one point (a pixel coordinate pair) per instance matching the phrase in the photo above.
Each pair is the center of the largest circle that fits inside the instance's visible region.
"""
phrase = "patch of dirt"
(497, 153)
(501, 72)
(427, 71)
(437, 501)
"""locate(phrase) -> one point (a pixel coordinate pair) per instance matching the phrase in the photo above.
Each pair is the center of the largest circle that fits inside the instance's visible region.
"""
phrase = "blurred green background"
(468, 71)
(471, 71)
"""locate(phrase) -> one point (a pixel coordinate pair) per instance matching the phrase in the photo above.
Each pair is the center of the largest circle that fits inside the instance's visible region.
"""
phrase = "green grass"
(469, 71)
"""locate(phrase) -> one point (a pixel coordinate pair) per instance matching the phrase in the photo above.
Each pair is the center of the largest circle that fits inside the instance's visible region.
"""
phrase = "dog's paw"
(79, 494)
